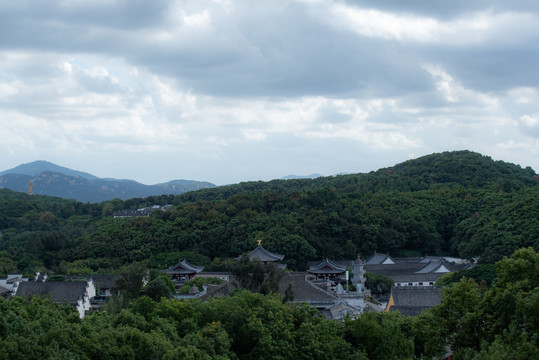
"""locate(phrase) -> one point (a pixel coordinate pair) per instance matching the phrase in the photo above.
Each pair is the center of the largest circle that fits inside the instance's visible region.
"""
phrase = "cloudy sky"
(229, 91)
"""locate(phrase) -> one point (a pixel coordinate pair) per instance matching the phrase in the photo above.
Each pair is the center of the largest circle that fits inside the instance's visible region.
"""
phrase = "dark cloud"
(268, 50)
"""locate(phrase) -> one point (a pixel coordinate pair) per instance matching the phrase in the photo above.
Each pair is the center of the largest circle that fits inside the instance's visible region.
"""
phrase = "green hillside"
(455, 203)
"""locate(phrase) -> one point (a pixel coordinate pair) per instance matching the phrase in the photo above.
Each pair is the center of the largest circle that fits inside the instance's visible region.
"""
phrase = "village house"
(74, 293)
(142, 212)
(9, 284)
(105, 288)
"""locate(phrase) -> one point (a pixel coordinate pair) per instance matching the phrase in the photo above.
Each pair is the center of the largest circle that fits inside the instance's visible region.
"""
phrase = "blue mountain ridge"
(53, 180)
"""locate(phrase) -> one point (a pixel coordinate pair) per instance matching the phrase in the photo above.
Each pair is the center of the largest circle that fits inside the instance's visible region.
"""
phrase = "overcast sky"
(230, 91)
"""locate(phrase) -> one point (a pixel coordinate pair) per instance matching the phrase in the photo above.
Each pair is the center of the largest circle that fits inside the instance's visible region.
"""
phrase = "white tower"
(359, 274)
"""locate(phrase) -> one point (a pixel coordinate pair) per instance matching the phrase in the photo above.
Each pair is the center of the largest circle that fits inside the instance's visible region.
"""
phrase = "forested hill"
(465, 168)
(456, 203)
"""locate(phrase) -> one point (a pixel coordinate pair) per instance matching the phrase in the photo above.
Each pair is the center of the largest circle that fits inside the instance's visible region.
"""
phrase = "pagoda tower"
(359, 274)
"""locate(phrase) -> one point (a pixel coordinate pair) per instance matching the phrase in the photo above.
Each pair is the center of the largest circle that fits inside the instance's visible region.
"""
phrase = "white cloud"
(471, 28)
(7, 89)
(524, 96)
(375, 23)
(454, 92)
(530, 120)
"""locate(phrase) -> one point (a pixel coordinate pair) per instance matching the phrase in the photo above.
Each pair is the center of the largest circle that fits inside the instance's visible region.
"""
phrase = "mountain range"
(312, 176)
(53, 180)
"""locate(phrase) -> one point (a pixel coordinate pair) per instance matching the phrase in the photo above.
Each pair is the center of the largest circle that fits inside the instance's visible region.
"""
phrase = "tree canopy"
(477, 323)
(458, 203)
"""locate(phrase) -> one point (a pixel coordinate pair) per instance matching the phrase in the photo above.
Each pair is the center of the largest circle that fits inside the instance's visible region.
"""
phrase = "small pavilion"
(327, 269)
(183, 271)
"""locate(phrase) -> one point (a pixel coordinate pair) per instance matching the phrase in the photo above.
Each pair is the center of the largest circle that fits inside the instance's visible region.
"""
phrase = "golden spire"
(259, 241)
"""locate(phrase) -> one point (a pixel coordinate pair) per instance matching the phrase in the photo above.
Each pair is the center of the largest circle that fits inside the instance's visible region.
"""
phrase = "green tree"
(130, 284)
(381, 335)
(160, 287)
(480, 323)
(514, 297)
(378, 284)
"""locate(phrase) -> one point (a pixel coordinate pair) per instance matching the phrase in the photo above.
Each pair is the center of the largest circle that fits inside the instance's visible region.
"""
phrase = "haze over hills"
(312, 176)
(53, 180)
(36, 167)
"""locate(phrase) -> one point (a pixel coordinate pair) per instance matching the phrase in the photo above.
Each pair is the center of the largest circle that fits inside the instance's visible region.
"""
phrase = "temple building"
(183, 271)
(265, 256)
(414, 271)
(327, 269)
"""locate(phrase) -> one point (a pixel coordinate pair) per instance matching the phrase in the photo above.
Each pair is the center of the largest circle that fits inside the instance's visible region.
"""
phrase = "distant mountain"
(312, 176)
(37, 167)
(53, 180)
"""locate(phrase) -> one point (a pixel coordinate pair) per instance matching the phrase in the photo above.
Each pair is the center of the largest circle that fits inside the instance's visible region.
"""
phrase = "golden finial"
(259, 241)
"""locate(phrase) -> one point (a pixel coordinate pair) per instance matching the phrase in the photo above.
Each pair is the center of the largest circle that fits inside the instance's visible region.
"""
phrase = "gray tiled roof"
(100, 281)
(378, 258)
(4, 291)
(220, 290)
(411, 298)
(10, 278)
(263, 255)
(183, 267)
(407, 260)
(393, 269)
(105, 281)
(62, 291)
(415, 277)
(304, 291)
(326, 267)
(429, 267)
(428, 259)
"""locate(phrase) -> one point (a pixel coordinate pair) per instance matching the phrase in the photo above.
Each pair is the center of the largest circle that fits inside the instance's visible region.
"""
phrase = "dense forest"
(455, 203)
(495, 323)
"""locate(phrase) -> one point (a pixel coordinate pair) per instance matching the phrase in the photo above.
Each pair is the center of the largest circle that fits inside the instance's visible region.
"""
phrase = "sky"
(228, 91)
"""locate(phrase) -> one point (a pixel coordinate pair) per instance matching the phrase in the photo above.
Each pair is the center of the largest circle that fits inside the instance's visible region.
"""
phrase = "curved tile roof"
(326, 267)
(263, 255)
(183, 267)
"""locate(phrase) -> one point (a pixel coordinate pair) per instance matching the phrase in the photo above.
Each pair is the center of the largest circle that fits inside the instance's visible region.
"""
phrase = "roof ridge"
(319, 288)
